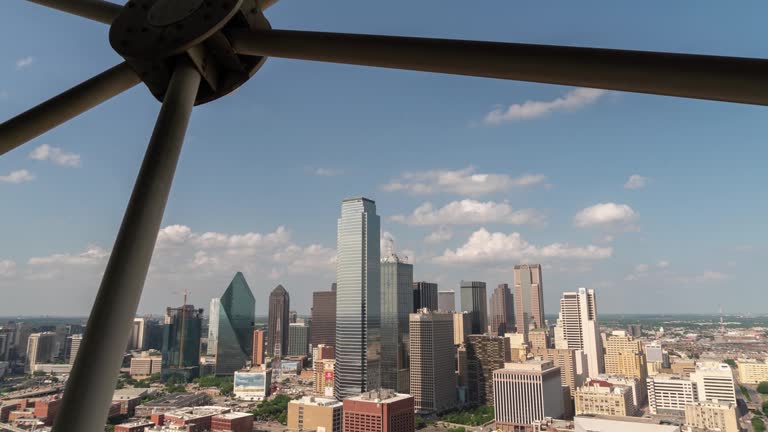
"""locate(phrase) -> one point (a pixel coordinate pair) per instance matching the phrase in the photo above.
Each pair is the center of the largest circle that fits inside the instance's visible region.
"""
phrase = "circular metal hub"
(167, 12)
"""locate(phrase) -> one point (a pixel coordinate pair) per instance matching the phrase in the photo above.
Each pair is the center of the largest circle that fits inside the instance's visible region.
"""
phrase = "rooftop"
(381, 395)
(197, 412)
(174, 399)
(129, 393)
(233, 415)
(317, 401)
(138, 422)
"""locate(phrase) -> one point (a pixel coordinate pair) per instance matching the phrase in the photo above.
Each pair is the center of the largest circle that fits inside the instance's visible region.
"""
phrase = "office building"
(502, 311)
(714, 382)
(432, 376)
(253, 384)
(529, 297)
(379, 411)
(213, 326)
(145, 365)
(603, 398)
(129, 399)
(323, 318)
(278, 320)
(314, 414)
(323, 374)
(669, 394)
(137, 340)
(638, 389)
(712, 416)
(446, 301)
(577, 328)
(538, 338)
(566, 360)
(473, 300)
(232, 422)
(234, 337)
(73, 346)
(424, 296)
(752, 371)
(192, 419)
(259, 345)
(624, 356)
(484, 355)
(358, 293)
(397, 297)
(181, 341)
(526, 392)
(40, 349)
(634, 330)
(684, 368)
(517, 347)
(298, 339)
(462, 327)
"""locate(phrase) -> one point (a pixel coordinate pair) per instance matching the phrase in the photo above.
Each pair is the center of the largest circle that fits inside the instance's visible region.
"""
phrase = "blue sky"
(264, 170)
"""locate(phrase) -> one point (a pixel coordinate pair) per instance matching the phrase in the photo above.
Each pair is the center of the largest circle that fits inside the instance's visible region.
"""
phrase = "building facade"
(714, 382)
(526, 392)
(137, 340)
(379, 411)
(529, 297)
(446, 301)
(502, 311)
(485, 354)
(710, 416)
(566, 360)
(397, 297)
(277, 322)
(213, 326)
(424, 296)
(234, 338)
(40, 349)
(181, 341)
(752, 371)
(603, 398)
(259, 345)
(313, 413)
(298, 339)
(669, 394)
(323, 318)
(462, 327)
(577, 328)
(473, 300)
(432, 376)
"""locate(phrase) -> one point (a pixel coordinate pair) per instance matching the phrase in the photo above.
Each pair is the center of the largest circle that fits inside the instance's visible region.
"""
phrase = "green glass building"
(234, 335)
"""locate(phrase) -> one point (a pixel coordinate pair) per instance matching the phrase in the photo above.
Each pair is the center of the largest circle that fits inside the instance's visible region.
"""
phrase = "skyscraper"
(473, 300)
(181, 341)
(397, 296)
(73, 346)
(277, 323)
(529, 297)
(358, 296)
(446, 301)
(502, 311)
(714, 382)
(577, 328)
(138, 341)
(298, 339)
(624, 356)
(259, 337)
(526, 392)
(323, 318)
(432, 375)
(213, 326)
(424, 296)
(485, 354)
(234, 338)
(40, 349)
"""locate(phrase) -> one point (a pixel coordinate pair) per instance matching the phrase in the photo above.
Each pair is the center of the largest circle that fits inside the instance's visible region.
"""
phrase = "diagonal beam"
(89, 390)
(266, 4)
(59, 109)
(730, 79)
(97, 10)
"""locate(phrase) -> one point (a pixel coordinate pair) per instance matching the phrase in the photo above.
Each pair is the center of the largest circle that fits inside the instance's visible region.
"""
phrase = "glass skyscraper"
(181, 341)
(358, 294)
(473, 300)
(396, 304)
(213, 326)
(234, 338)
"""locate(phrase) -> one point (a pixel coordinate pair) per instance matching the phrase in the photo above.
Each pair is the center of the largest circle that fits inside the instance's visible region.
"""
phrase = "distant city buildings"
(526, 392)
(137, 340)
(213, 326)
(73, 347)
(278, 320)
(432, 376)
(259, 345)
(324, 317)
(473, 300)
(529, 297)
(462, 327)
(425, 295)
(577, 328)
(398, 292)
(446, 301)
(502, 311)
(234, 337)
(145, 365)
(566, 360)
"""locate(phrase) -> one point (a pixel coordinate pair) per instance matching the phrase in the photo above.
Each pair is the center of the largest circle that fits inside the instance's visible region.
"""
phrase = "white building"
(577, 329)
(670, 394)
(752, 371)
(714, 382)
(526, 392)
(623, 424)
(253, 384)
(213, 326)
(40, 349)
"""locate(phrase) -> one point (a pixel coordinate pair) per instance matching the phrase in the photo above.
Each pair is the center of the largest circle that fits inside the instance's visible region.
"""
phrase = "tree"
(420, 423)
(763, 387)
(765, 406)
(730, 362)
(758, 425)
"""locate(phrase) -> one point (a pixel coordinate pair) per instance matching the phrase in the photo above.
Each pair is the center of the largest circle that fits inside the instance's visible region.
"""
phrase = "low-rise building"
(712, 416)
(379, 411)
(752, 371)
(195, 419)
(145, 366)
(134, 426)
(638, 390)
(232, 422)
(129, 399)
(323, 375)
(623, 424)
(603, 398)
(310, 413)
(171, 402)
(47, 408)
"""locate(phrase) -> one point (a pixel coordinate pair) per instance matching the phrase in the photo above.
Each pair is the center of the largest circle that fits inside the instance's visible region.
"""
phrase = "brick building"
(379, 411)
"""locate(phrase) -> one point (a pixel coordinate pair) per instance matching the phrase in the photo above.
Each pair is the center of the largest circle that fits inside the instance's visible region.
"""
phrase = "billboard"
(249, 380)
(329, 375)
(290, 367)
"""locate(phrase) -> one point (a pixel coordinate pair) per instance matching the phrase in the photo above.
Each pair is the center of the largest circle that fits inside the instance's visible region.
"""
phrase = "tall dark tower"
(277, 327)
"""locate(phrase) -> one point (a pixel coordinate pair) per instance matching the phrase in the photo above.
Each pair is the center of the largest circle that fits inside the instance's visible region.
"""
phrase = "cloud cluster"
(56, 155)
(24, 62)
(19, 176)
(326, 172)
(486, 247)
(7, 268)
(531, 109)
(605, 214)
(636, 181)
(705, 277)
(441, 234)
(463, 182)
(469, 211)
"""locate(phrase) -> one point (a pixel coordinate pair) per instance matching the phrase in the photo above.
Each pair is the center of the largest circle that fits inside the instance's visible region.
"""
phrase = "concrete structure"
(602, 398)
(714, 382)
(397, 298)
(232, 422)
(323, 318)
(425, 295)
(462, 327)
(624, 356)
(517, 347)
(526, 392)
(40, 349)
(538, 338)
(502, 314)
(298, 339)
(529, 297)
(253, 384)
(277, 322)
(710, 416)
(379, 411)
(473, 300)
(485, 354)
(752, 371)
(577, 328)
(234, 337)
(358, 293)
(566, 360)
(146, 365)
(313, 413)
(432, 377)
(134, 426)
(171, 402)
(683, 368)
(669, 394)
(259, 345)
(446, 301)
(623, 424)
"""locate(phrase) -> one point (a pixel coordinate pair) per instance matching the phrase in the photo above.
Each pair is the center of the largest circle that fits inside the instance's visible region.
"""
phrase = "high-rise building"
(712, 416)
(752, 371)
(484, 355)
(181, 341)
(669, 394)
(424, 296)
(397, 297)
(603, 398)
(526, 392)
(213, 326)
(577, 328)
(137, 341)
(566, 360)
(379, 411)
(538, 338)
(635, 330)
(624, 356)
(40, 349)
(298, 339)
(502, 311)
(259, 336)
(73, 346)
(153, 334)
(446, 301)
(432, 378)
(323, 374)
(323, 318)
(358, 296)
(714, 382)
(278, 320)
(473, 300)
(529, 297)
(462, 327)
(314, 413)
(234, 338)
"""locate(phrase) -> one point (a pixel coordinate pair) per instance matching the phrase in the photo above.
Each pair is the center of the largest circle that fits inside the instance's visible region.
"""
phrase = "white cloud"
(463, 182)
(92, 255)
(641, 268)
(56, 155)
(531, 109)
(636, 181)
(485, 247)
(326, 172)
(663, 264)
(707, 276)
(7, 268)
(24, 62)
(443, 233)
(469, 212)
(605, 214)
(19, 176)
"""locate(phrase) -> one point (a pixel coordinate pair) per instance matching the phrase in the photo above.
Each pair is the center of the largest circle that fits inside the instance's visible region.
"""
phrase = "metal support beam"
(90, 387)
(59, 109)
(97, 10)
(729, 79)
